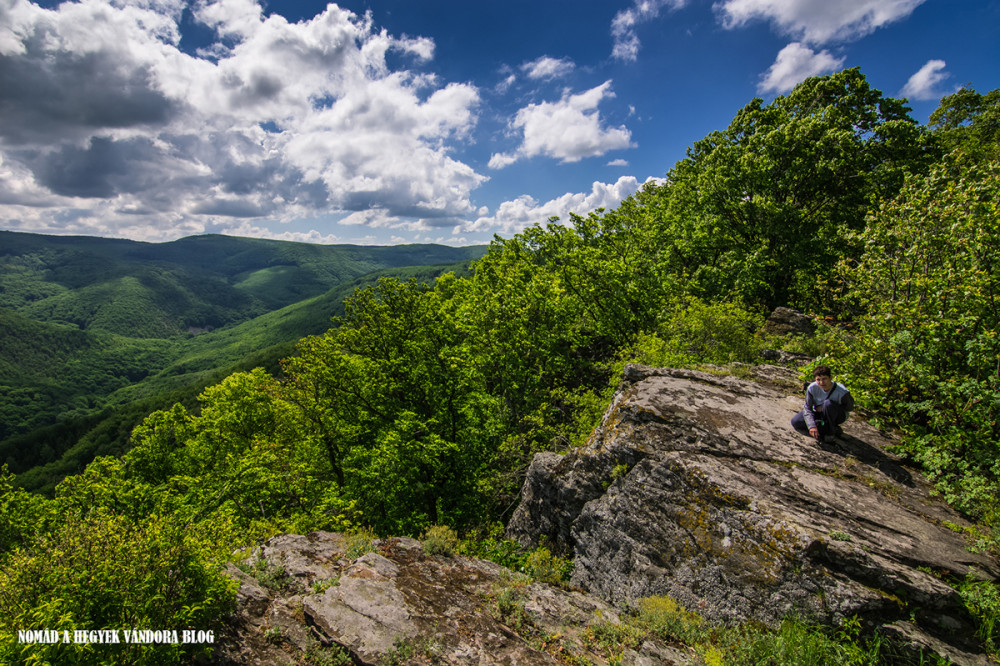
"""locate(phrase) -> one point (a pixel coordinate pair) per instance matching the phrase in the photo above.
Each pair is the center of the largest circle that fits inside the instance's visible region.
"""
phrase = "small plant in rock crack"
(408, 649)
(323, 584)
(360, 543)
(274, 635)
(508, 607)
(270, 575)
(333, 655)
(441, 540)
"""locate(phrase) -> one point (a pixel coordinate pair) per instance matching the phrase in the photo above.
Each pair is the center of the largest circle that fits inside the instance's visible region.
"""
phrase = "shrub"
(105, 571)
(982, 598)
(270, 575)
(545, 567)
(928, 341)
(440, 540)
(360, 543)
(692, 331)
(667, 619)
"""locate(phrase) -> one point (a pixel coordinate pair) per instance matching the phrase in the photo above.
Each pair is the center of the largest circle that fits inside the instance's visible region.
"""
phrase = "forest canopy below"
(425, 403)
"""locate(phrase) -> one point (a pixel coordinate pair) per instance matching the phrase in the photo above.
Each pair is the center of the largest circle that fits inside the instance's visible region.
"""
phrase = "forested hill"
(95, 332)
(147, 290)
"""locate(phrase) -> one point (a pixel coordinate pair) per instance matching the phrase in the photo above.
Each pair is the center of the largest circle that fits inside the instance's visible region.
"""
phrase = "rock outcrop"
(311, 600)
(785, 321)
(696, 486)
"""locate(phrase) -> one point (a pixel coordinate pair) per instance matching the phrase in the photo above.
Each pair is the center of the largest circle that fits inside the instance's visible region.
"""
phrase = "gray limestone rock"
(696, 486)
(400, 605)
(785, 321)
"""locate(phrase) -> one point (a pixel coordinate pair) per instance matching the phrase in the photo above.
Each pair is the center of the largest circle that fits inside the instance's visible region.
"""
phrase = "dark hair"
(823, 370)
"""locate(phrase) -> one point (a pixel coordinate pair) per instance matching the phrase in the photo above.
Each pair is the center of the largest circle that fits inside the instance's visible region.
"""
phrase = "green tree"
(398, 406)
(927, 351)
(23, 515)
(970, 122)
(763, 209)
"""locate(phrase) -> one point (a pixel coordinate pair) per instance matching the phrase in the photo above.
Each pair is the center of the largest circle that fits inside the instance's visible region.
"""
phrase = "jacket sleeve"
(847, 401)
(809, 412)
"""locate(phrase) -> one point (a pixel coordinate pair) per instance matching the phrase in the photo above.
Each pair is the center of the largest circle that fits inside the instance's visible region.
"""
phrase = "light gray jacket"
(815, 397)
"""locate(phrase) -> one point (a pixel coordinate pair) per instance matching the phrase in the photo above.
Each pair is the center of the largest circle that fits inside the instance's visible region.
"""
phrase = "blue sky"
(399, 121)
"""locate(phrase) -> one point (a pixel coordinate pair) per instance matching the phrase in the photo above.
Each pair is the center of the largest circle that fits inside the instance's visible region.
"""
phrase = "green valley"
(98, 332)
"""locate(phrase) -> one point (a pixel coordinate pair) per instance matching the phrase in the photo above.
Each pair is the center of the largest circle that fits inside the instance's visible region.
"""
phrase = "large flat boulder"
(696, 486)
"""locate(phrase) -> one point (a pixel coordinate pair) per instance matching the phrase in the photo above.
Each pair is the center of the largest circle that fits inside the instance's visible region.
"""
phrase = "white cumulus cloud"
(568, 130)
(514, 216)
(924, 84)
(817, 21)
(110, 128)
(794, 64)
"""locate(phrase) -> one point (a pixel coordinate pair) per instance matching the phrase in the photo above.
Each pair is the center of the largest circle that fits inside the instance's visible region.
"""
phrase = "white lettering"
(37, 636)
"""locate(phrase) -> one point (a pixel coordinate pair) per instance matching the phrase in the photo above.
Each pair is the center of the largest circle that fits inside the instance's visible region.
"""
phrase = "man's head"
(823, 377)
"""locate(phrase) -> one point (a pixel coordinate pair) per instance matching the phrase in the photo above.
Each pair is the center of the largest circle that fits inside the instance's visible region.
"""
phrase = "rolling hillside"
(95, 333)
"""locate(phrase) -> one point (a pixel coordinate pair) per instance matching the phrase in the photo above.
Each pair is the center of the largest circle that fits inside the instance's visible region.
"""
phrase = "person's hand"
(814, 432)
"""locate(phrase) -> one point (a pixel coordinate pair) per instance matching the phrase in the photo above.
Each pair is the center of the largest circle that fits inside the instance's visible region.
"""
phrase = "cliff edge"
(695, 486)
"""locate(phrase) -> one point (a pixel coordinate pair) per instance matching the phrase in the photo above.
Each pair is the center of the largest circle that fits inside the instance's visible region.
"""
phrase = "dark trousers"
(831, 413)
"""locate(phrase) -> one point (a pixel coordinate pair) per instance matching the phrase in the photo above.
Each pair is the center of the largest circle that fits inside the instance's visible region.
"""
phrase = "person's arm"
(810, 413)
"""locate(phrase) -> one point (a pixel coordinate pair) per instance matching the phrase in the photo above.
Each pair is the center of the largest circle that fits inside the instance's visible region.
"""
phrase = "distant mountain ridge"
(140, 289)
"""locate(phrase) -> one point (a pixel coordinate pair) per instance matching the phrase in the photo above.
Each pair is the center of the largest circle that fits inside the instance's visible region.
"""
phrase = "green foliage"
(272, 576)
(692, 331)
(405, 650)
(489, 544)
(242, 460)
(101, 570)
(821, 343)
(761, 212)
(360, 543)
(507, 599)
(667, 619)
(926, 355)
(397, 406)
(334, 655)
(440, 540)
(274, 635)
(982, 598)
(321, 586)
(611, 638)
(969, 122)
(793, 642)
(23, 515)
(545, 567)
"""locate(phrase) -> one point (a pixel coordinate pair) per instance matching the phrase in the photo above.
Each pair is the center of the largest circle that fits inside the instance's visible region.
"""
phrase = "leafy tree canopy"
(762, 209)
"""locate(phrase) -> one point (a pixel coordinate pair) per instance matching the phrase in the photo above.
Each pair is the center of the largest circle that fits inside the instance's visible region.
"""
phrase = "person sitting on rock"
(827, 405)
